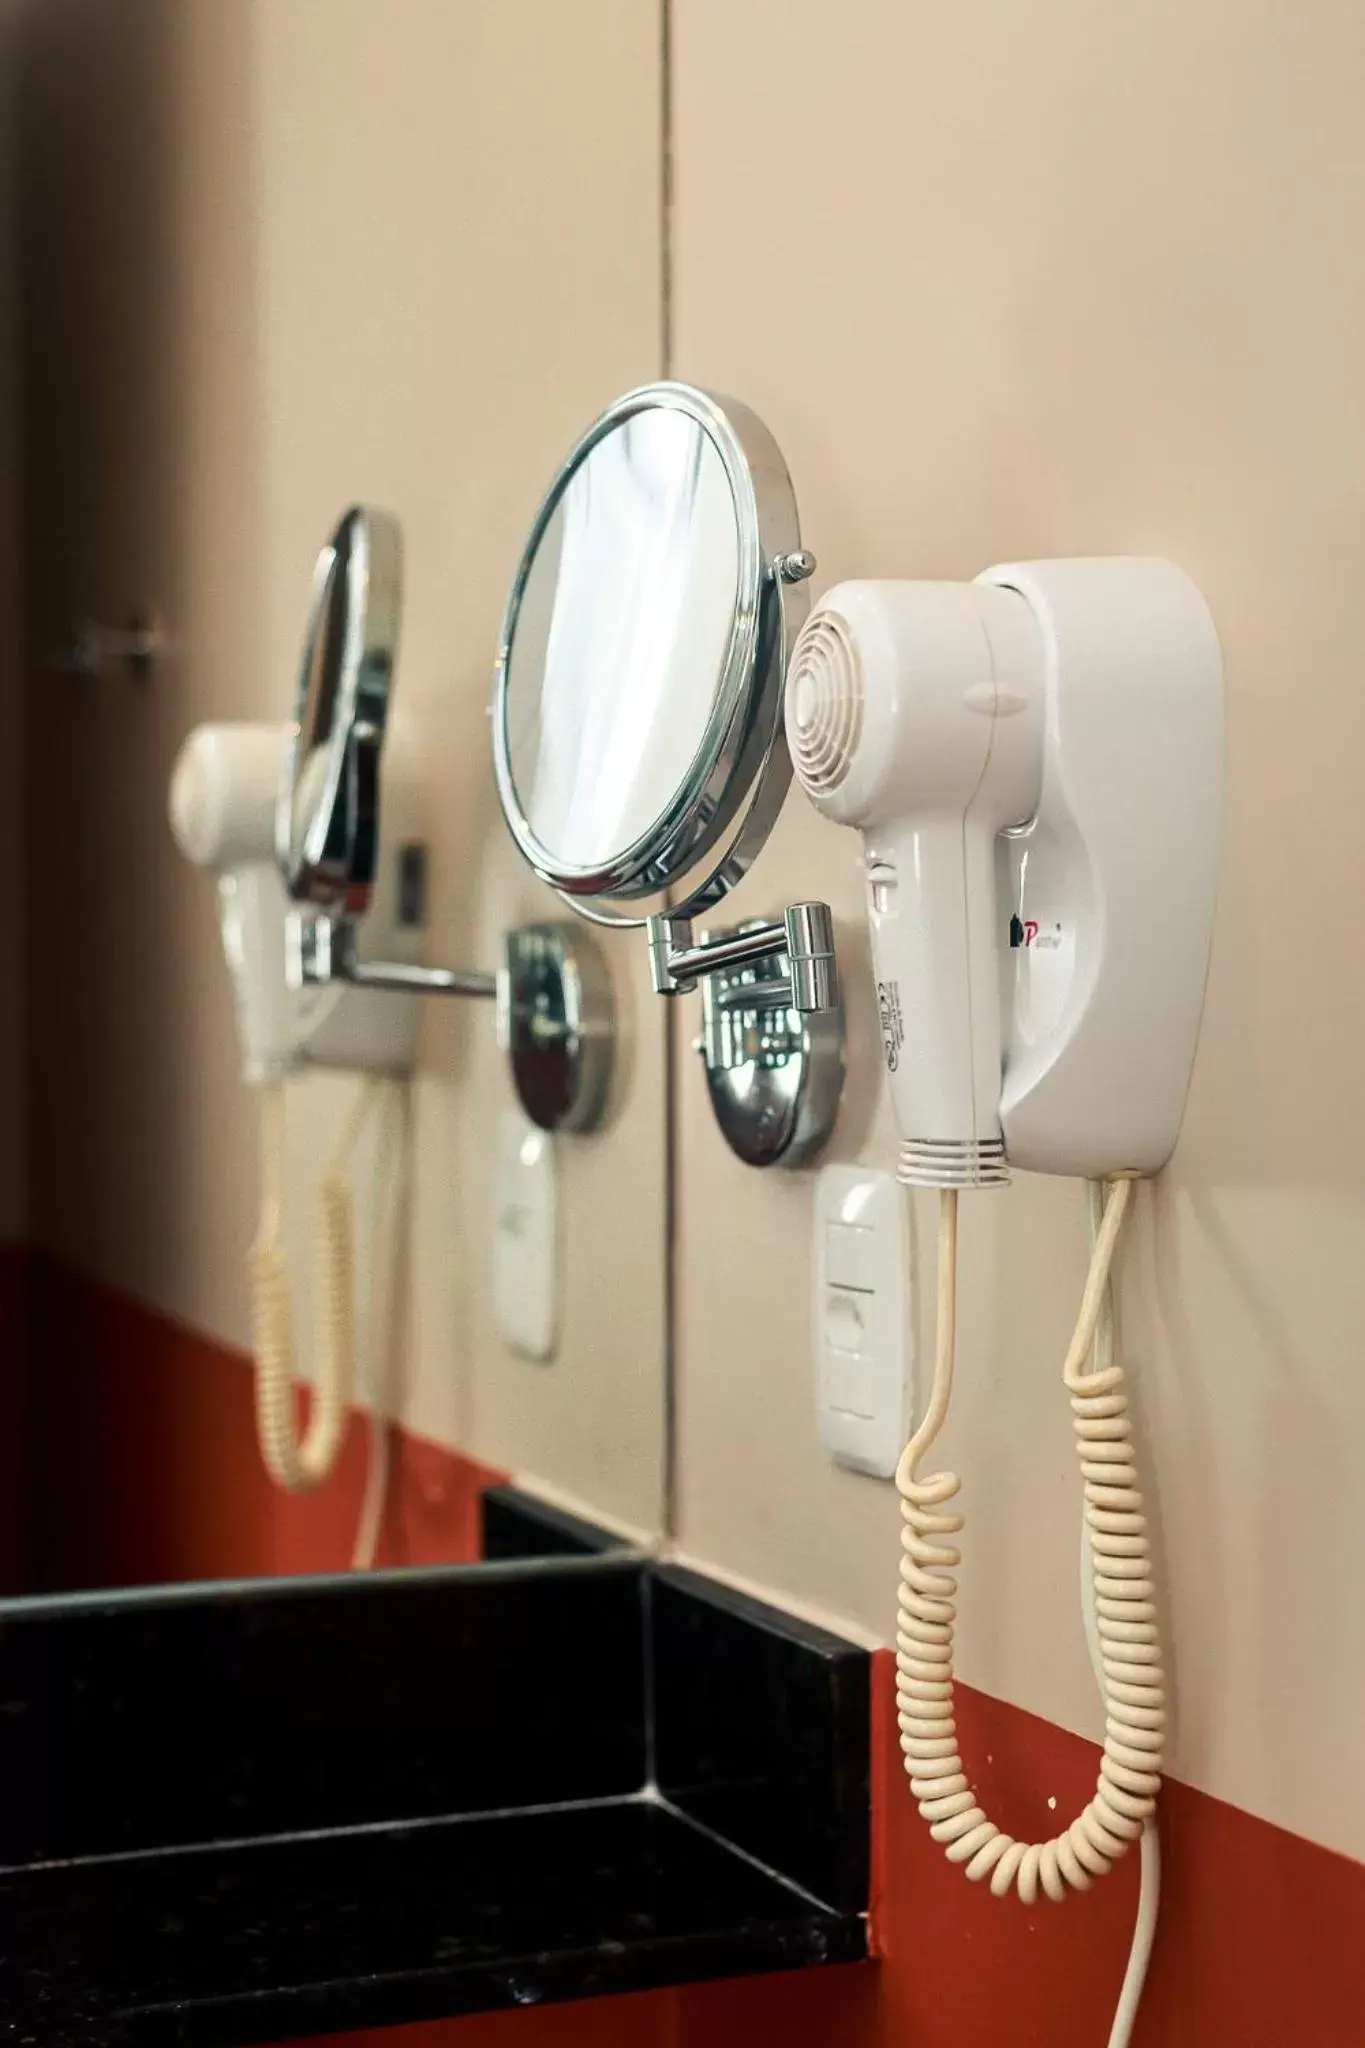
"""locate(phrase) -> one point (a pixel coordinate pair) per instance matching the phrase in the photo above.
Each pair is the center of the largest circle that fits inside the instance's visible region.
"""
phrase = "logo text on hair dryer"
(892, 1023)
(1026, 931)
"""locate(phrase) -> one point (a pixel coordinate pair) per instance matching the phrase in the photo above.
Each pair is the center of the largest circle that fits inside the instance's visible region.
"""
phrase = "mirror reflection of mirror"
(322, 666)
(626, 622)
(327, 825)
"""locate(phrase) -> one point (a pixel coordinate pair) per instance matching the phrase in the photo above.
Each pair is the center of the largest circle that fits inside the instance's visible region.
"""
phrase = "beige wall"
(291, 256)
(1011, 281)
(460, 263)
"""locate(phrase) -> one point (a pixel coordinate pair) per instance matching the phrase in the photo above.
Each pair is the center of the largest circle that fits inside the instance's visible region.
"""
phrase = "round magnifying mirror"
(637, 703)
(326, 821)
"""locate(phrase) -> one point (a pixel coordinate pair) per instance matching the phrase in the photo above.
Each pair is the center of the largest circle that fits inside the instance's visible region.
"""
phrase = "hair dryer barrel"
(914, 712)
(223, 791)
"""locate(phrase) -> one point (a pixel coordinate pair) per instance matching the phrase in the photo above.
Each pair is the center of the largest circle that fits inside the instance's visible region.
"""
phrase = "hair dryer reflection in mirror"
(222, 810)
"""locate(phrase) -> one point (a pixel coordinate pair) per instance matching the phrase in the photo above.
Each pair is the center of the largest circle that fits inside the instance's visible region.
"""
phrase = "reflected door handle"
(94, 648)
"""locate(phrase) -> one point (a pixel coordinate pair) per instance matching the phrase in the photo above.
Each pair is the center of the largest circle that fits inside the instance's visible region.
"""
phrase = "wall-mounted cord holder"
(637, 706)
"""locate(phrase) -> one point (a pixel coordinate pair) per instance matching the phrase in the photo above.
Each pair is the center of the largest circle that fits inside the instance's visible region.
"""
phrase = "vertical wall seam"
(673, 1021)
(666, 212)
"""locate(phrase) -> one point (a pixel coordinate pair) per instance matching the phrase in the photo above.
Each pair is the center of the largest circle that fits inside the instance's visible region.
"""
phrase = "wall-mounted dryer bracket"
(1107, 894)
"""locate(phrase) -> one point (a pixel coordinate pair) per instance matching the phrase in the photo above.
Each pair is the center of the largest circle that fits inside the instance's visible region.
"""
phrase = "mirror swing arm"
(772, 1037)
(555, 1015)
(802, 940)
(555, 1019)
(324, 949)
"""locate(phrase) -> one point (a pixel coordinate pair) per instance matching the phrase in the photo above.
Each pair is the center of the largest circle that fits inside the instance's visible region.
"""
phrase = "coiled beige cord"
(296, 1466)
(1133, 1685)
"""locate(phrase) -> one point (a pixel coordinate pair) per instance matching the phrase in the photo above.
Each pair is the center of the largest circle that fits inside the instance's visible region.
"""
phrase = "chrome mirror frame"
(741, 761)
(728, 797)
(333, 864)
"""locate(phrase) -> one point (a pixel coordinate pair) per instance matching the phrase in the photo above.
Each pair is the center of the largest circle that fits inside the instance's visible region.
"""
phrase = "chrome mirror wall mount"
(552, 989)
(637, 706)
(325, 949)
(774, 1072)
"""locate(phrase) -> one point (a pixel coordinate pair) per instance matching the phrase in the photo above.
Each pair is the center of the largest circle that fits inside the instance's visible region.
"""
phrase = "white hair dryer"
(222, 804)
(222, 812)
(1035, 761)
(223, 795)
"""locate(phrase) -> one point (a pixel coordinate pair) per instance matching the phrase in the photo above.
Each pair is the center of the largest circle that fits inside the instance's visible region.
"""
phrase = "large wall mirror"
(265, 315)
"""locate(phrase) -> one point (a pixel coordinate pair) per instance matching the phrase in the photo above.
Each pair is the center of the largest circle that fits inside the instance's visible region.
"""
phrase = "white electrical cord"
(298, 1467)
(388, 1197)
(1149, 1875)
(365, 1552)
(1130, 1650)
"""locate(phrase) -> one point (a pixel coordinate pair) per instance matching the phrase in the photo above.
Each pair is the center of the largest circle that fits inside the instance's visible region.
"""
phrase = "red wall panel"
(142, 1464)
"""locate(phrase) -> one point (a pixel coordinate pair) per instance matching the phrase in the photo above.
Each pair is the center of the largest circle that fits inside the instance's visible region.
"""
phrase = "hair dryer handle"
(932, 919)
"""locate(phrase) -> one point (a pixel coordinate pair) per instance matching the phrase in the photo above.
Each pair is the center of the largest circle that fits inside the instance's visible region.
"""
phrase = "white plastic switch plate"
(861, 1318)
(525, 1237)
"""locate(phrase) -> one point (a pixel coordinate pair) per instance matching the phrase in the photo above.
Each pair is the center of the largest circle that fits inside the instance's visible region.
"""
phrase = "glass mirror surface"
(620, 642)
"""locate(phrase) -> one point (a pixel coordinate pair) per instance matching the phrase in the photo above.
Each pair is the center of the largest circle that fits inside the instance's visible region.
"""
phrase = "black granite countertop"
(209, 1948)
(239, 1814)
